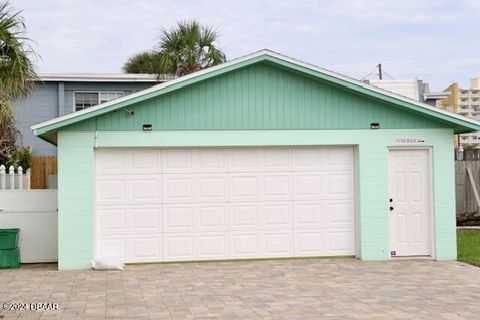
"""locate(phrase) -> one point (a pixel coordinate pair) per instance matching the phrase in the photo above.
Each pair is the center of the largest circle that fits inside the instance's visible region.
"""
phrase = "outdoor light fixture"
(374, 125)
(460, 153)
(147, 127)
(130, 113)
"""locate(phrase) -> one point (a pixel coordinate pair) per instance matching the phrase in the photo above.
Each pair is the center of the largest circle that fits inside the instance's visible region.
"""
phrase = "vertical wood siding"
(258, 97)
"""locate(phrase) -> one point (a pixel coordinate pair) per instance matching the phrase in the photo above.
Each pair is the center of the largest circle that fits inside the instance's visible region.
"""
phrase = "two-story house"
(58, 94)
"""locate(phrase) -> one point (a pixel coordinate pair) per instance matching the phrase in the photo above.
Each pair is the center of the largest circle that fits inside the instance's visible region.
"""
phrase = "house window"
(110, 95)
(85, 100)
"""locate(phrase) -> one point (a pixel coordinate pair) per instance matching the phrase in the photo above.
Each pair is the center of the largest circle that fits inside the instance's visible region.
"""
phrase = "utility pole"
(380, 74)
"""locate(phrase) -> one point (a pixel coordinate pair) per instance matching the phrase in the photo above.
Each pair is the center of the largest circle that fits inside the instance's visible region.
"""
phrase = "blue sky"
(435, 40)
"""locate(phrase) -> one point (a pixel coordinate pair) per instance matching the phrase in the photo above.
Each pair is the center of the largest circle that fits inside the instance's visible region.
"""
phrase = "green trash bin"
(9, 258)
(9, 238)
(9, 253)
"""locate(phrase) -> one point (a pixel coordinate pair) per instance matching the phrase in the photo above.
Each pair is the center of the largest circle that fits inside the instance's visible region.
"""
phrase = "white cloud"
(411, 37)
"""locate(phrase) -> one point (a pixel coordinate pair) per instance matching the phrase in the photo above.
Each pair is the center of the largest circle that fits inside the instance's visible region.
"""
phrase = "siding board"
(260, 97)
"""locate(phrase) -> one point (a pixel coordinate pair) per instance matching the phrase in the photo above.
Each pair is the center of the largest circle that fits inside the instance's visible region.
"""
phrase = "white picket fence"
(14, 181)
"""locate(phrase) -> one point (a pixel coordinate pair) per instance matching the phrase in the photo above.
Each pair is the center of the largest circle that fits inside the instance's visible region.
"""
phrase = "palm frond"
(189, 47)
(17, 71)
(146, 62)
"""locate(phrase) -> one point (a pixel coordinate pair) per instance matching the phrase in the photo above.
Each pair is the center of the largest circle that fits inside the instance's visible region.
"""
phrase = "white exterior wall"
(34, 212)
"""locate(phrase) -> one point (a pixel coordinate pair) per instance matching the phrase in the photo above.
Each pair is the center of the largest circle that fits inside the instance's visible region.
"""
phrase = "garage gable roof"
(459, 123)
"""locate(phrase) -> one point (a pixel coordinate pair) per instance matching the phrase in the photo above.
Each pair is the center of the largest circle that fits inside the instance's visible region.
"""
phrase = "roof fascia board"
(103, 77)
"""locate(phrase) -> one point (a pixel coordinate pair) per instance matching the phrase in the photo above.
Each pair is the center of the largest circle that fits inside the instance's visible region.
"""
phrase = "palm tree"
(187, 48)
(17, 75)
(145, 62)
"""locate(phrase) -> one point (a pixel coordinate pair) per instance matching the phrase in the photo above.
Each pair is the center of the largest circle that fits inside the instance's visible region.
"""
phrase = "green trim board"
(77, 161)
(459, 123)
(244, 138)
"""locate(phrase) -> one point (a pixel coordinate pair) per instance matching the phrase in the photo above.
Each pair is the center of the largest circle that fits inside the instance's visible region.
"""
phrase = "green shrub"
(23, 158)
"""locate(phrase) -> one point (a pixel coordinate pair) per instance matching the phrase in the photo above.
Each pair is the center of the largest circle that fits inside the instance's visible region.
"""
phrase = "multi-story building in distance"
(464, 101)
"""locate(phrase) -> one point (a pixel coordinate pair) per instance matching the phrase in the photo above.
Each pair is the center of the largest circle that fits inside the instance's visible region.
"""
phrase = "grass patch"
(468, 246)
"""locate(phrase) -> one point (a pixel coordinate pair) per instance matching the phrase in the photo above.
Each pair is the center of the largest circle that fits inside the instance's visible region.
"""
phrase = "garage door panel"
(212, 245)
(195, 217)
(114, 161)
(146, 162)
(338, 158)
(111, 162)
(309, 214)
(224, 203)
(178, 218)
(210, 160)
(125, 189)
(194, 160)
(118, 220)
(213, 217)
(341, 242)
(205, 187)
(276, 159)
(244, 187)
(177, 161)
(211, 187)
(307, 186)
(178, 246)
(306, 158)
(145, 189)
(310, 243)
(111, 191)
(243, 159)
(108, 247)
(339, 185)
(131, 248)
(146, 219)
(276, 186)
(177, 188)
(245, 244)
(278, 243)
(244, 215)
(111, 220)
(147, 248)
(277, 214)
(341, 213)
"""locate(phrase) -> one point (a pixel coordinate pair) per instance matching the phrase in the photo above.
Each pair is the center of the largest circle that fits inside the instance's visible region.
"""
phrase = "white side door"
(409, 207)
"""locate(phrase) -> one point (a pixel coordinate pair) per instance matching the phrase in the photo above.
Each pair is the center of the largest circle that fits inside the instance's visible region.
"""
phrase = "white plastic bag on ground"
(107, 264)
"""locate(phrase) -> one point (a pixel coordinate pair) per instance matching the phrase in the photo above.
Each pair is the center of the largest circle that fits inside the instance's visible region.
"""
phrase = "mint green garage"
(261, 157)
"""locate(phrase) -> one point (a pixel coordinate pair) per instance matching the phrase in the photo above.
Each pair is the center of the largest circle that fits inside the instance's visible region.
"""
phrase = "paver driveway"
(281, 289)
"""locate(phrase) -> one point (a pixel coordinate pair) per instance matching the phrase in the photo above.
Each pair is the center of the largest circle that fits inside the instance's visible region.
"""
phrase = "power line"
(371, 73)
(378, 71)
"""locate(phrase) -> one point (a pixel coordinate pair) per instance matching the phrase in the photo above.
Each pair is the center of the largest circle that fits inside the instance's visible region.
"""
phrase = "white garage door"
(224, 203)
